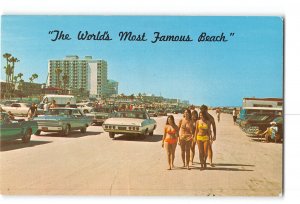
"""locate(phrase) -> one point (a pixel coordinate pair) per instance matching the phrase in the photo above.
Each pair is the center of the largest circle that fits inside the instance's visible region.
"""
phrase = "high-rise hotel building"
(79, 74)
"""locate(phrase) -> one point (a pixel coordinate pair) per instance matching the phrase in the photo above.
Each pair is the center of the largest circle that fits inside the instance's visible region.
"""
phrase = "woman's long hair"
(172, 118)
(190, 113)
(195, 113)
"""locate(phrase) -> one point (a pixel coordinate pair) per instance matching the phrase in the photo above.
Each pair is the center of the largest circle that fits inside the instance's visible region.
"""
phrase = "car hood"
(97, 114)
(124, 121)
(49, 117)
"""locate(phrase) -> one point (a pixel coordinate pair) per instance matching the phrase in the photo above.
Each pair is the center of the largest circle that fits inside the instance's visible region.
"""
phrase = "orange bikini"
(171, 140)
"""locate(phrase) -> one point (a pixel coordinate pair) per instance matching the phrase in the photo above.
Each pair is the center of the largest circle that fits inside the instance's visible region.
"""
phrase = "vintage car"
(17, 108)
(99, 115)
(257, 122)
(84, 107)
(62, 120)
(162, 112)
(16, 129)
(152, 113)
(130, 122)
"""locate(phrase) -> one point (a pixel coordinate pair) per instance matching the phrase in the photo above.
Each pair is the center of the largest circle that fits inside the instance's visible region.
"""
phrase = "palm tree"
(33, 77)
(20, 75)
(65, 79)
(13, 60)
(7, 70)
(7, 56)
(58, 72)
(20, 87)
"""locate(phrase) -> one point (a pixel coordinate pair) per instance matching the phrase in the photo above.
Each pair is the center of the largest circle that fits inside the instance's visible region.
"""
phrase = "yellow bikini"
(203, 126)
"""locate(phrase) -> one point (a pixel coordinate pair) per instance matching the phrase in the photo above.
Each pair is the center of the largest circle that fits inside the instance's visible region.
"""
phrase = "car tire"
(66, 131)
(38, 132)
(112, 135)
(85, 111)
(143, 135)
(83, 129)
(26, 137)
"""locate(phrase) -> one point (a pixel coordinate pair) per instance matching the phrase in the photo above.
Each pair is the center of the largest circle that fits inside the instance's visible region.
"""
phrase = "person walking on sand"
(234, 115)
(169, 140)
(218, 112)
(186, 137)
(193, 145)
(202, 137)
(213, 137)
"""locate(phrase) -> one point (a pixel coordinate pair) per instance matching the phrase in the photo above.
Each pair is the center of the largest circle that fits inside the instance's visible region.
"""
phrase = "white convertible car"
(130, 122)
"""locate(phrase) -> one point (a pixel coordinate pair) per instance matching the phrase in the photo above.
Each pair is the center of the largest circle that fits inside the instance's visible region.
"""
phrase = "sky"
(248, 64)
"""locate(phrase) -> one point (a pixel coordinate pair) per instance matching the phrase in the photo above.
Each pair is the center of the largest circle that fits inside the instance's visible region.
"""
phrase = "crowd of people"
(194, 128)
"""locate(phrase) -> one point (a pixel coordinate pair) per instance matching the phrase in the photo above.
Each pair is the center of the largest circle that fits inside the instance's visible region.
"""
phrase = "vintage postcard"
(142, 105)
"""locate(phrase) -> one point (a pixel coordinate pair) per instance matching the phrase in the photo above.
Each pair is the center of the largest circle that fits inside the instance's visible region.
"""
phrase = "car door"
(72, 120)
(10, 130)
(78, 119)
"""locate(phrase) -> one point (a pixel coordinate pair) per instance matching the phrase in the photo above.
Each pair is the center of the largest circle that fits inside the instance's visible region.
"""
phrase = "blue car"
(62, 120)
(16, 129)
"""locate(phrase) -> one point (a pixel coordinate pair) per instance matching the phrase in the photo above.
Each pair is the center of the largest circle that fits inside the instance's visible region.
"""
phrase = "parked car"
(130, 122)
(84, 107)
(178, 110)
(263, 127)
(99, 115)
(62, 120)
(16, 129)
(257, 122)
(162, 112)
(17, 108)
(152, 113)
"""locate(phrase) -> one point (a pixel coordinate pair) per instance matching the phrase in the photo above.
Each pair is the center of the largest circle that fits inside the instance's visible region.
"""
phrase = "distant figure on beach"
(218, 112)
(213, 137)
(186, 137)
(169, 140)
(193, 145)
(234, 115)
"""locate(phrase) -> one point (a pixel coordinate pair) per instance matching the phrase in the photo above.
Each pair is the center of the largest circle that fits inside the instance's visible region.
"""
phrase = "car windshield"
(60, 112)
(100, 110)
(133, 114)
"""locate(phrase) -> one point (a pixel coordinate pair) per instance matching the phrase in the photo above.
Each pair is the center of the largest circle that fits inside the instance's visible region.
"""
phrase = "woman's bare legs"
(205, 149)
(210, 153)
(201, 152)
(187, 153)
(183, 151)
(193, 146)
(169, 154)
(173, 148)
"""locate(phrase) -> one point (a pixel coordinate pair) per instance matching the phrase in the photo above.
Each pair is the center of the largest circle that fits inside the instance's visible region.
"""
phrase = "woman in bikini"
(193, 145)
(169, 140)
(202, 137)
(186, 137)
